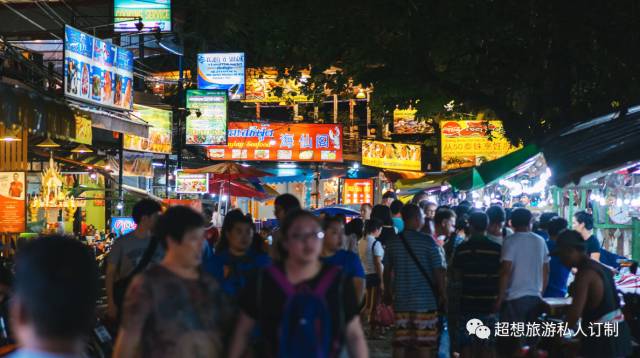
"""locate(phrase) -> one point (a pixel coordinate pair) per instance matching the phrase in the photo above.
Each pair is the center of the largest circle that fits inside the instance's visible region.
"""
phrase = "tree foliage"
(539, 65)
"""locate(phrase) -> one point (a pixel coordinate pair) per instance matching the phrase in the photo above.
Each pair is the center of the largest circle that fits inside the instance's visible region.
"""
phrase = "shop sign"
(159, 139)
(222, 71)
(388, 155)
(134, 164)
(12, 202)
(263, 85)
(192, 183)
(357, 191)
(471, 143)
(207, 120)
(84, 133)
(280, 142)
(122, 225)
(155, 14)
(405, 122)
(96, 71)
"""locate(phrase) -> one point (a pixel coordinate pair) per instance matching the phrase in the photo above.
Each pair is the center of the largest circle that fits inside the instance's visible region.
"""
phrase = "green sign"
(207, 119)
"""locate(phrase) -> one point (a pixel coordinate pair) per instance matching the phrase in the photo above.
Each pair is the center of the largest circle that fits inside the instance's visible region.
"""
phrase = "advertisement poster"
(122, 225)
(222, 71)
(12, 202)
(192, 183)
(96, 71)
(405, 122)
(207, 121)
(357, 191)
(159, 139)
(280, 142)
(263, 85)
(84, 133)
(396, 156)
(467, 143)
(155, 14)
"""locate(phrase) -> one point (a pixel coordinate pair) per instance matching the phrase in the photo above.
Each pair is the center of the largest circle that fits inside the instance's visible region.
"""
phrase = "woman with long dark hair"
(383, 213)
(239, 253)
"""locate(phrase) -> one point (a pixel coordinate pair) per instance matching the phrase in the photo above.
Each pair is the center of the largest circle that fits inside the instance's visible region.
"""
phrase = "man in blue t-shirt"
(558, 273)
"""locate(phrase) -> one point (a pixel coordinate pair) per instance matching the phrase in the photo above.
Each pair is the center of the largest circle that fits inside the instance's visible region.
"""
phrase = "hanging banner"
(357, 191)
(468, 143)
(397, 156)
(96, 71)
(263, 85)
(192, 183)
(12, 202)
(222, 71)
(84, 133)
(207, 121)
(159, 139)
(155, 15)
(280, 142)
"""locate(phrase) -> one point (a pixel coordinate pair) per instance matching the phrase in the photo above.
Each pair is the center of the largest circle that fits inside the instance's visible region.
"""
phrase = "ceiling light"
(48, 143)
(82, 149)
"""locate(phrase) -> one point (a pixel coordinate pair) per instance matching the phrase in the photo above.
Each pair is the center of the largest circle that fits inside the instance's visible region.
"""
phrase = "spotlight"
(139, 24)
(120, 206)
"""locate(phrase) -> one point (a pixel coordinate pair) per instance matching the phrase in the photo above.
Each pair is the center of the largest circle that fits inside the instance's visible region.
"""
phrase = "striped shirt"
(478, 262)
(412, 292)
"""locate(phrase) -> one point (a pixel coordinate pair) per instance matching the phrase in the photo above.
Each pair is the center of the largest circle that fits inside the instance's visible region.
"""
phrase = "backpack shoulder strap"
(373, 247)
(421, 268)
(281, 280)
(326, 280)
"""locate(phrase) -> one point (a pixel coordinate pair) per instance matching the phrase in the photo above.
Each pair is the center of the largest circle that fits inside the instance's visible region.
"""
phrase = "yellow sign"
(471, 143)
(84, 133)
(159, 140)
(397, 156)
(263, 83)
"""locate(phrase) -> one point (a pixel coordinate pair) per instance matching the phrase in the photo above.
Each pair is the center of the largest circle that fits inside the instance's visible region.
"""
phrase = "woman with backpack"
(239, 253)
(304, 307)
(333, 254)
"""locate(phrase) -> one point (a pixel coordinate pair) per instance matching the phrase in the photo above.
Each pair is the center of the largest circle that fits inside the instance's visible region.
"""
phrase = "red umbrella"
(229, 171)
(235, 188)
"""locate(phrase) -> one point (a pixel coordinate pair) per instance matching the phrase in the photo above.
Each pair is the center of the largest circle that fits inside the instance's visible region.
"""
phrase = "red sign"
(280, 142)
(193, 204)
(357, 191)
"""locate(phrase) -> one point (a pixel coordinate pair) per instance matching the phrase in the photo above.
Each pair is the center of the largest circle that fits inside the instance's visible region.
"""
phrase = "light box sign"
(280, 142)
(96, 71)
(122, 225)
(192, 183)
(155, 15)
(467, 143)
(264, 85)
(159, 139)
(357, 191)
(388, 155)
(207, 120)
(222, 71)
(12, 202)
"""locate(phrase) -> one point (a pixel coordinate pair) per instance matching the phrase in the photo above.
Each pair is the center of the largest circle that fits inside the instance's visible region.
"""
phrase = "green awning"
(469, 179)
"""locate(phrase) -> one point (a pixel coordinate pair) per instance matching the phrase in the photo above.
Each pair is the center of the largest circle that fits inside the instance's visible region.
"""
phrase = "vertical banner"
(12, 202)
(207, 120)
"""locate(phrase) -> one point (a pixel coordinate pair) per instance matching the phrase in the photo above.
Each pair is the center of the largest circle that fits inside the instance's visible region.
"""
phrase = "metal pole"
(180, 113)
(120, 171)
(141, 57)
(166, 175)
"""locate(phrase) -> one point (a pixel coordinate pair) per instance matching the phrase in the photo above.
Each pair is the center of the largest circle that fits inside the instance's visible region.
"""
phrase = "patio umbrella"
(229, 171)
(335, 210)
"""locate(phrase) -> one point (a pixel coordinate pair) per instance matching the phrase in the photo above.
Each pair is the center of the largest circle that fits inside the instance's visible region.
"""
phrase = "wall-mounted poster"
(222, 71)
(388, 155)
(155, 15)
(160, 134)
(207, 120)
(280, 142)
(12, 202)
(96, 71)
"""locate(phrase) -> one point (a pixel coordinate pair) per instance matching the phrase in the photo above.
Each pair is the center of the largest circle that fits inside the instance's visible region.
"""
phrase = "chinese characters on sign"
(357, 191)
(222, 71)
(12, 205)
(397, 156)
(468, 143)
(280, 142)
(207, 120)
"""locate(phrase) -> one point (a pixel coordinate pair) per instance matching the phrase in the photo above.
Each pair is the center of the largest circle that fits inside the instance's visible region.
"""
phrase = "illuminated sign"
(192, 183)
(397, 156)
(159, 139)
(155, 15)
(207, 119)
(122, 225)
(357, 191)
(222, 71)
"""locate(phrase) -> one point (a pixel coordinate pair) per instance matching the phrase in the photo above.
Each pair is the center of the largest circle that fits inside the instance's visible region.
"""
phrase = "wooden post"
(257, 110)
(335, 108)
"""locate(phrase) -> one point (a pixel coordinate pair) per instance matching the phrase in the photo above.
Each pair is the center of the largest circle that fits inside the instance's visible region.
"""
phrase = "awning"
(427, 182)
(112, 120)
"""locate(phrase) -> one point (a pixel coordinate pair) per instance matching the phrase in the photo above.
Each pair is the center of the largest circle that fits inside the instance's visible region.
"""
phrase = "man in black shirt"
(583, 224)
(476, 264)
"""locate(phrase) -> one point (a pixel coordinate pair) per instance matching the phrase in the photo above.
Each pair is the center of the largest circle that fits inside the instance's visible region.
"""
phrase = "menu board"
(159, 138)
(222, 71)
(405, 122)
(207, 120)
(471, 143)
(192, 183)
(96, 71)
(388, 155)
(357, 191)
(280, 142)
(155, 14)
(122, 225)
(263, 85)
(12, 202)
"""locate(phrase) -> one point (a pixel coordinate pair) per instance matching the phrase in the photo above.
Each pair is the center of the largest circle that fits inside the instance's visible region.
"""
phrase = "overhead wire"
(46, 4)
(25, 17)
(48, 14)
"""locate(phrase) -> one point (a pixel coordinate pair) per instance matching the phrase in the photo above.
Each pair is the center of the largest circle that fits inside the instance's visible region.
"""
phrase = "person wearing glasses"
(304, 307)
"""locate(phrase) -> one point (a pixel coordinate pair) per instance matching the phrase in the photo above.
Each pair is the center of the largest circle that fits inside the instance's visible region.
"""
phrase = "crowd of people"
(317, 286)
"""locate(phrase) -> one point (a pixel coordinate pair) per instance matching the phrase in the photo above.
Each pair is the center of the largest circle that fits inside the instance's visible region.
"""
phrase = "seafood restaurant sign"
(280, 142)
(96, 71)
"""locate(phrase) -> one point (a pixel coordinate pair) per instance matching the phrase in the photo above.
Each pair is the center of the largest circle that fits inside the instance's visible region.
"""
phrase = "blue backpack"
(305, 330)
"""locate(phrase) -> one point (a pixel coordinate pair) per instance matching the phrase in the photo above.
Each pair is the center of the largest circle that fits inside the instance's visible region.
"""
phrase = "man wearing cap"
(595, 300)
